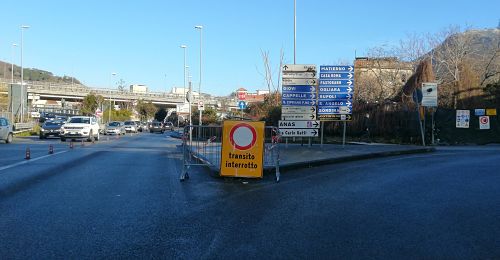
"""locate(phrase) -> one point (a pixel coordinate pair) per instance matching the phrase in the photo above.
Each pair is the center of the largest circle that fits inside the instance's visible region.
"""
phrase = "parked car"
(168, 126)
(130, 127)
(51, 128)
(156, 127)
(80, 127)
(115, 127)
(6, 132)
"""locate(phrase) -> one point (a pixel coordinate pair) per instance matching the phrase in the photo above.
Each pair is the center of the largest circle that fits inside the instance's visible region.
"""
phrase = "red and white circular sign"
(243, 136)
(242, 95)
(484, 120)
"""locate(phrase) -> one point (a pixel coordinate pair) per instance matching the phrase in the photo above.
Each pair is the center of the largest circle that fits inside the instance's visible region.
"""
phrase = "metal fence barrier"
(202, 146)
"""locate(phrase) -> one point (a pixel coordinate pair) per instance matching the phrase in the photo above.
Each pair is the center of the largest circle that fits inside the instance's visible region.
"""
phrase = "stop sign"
(242, 95)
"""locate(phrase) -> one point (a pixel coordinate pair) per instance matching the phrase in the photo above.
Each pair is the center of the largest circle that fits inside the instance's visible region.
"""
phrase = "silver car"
(115, 128)
(6, 132)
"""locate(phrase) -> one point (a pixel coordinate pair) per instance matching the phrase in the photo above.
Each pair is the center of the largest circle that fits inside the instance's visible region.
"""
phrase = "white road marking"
(30, 160)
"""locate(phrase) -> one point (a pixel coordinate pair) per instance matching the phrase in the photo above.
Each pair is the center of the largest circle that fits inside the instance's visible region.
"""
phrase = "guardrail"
(23, 127)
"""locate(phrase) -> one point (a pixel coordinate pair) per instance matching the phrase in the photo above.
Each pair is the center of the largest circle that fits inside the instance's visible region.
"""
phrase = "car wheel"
(97, 138)
(63, 139)
(9, 139)
(42, 136)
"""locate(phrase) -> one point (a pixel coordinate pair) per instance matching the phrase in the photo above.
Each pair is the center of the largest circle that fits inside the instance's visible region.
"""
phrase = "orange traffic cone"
(28, 153)
(51, 149)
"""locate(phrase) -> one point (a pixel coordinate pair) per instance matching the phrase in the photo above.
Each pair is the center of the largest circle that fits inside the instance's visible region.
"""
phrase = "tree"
(145, 109)
(122, 85)
(161, 114)
(209, 116)
(90, 104)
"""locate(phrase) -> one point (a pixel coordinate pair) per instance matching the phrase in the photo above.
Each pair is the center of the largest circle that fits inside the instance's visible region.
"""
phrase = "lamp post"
(12, 83)
(183, 46)
(110, 97)
(200, 27)
(22, 71)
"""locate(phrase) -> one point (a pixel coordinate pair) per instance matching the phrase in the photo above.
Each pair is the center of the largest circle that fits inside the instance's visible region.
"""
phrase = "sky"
(140, 40)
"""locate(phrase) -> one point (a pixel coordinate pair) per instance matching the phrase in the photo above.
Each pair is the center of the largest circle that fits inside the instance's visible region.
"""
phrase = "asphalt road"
(122, 199)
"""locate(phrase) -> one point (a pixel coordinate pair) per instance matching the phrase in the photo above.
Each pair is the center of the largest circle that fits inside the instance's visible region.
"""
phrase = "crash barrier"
(201, 146)
(22, 127)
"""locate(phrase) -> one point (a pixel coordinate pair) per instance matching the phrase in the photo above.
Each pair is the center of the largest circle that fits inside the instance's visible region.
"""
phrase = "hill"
(33, 74)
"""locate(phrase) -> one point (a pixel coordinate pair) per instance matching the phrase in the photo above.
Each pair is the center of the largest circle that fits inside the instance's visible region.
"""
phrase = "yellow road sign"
(242, 149)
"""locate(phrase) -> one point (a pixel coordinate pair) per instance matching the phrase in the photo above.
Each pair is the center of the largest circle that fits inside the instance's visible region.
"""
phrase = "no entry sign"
(484, 122)
(242, 149)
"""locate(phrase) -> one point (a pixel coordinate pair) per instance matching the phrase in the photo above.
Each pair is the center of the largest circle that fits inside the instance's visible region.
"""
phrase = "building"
(138, 88)
(380, 79)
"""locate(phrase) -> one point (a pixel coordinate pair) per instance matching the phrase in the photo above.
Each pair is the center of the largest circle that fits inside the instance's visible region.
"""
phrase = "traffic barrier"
(202, 147)
(28, 154)
(51, 149)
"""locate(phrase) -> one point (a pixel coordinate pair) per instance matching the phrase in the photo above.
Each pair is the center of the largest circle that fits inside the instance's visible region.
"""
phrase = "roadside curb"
(350, 158)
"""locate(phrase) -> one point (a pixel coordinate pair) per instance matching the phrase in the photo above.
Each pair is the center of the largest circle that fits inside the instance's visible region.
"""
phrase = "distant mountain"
(33, 75)
(476, 47)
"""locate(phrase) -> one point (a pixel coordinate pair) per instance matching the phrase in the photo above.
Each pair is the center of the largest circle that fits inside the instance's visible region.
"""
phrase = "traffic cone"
(71, 145)
(28, 153)
(51, 149)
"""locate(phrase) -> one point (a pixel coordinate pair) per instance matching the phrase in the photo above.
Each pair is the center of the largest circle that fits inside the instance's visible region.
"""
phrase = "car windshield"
(82, 120)
(114, 124)
(129, 123)
(54, 123)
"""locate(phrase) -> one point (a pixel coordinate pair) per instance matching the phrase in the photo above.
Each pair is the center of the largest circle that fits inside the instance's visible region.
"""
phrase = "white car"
(5, 130)
(130, 127)
(80, 127)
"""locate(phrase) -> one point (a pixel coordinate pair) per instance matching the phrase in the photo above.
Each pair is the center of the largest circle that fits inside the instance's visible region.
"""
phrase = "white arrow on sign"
(349, 82)
(298, 132)
(298, 82)
(299, 124)
(299, 67)
(351, 68)
(349, 89)
(349, 75)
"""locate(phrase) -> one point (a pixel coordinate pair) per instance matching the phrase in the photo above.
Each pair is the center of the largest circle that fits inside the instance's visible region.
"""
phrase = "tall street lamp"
(14, 45)
(110, 98)
(22, 71)
(183, 46)
(200, 27)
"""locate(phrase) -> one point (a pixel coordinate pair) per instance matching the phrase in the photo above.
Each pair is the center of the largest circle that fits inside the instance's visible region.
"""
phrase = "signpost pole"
(432, 125)
(322, 130)
(343, 135)
(419, 119)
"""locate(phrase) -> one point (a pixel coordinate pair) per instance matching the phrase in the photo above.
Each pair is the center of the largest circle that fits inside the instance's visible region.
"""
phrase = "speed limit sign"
(201, 106)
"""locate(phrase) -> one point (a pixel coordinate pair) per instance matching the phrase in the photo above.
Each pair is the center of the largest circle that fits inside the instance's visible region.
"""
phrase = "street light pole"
(183, 46)
(12, 83)
(294, 30)
(22, 71)
(110, 97)
(200, 27)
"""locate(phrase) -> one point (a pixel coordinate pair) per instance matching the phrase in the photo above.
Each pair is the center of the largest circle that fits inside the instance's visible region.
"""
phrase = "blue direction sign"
(298, 95)
(242, 104)
(340, 103)
(324, 97)
(300, 89)
(337, 75)
(335, 89)
(336, 82)
(298, 102)
(336, 68)
(335, 92)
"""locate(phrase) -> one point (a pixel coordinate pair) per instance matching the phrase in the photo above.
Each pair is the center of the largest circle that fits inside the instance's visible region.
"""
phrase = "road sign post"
(335, 94)
(299, 101)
